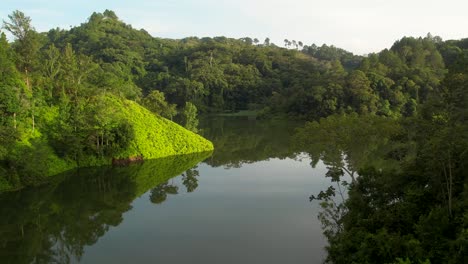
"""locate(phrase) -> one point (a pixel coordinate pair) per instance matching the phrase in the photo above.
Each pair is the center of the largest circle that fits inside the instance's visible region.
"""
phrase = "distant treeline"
(214, 74)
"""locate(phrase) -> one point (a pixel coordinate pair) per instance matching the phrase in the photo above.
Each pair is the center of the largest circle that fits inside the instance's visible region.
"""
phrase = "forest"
(405, 106)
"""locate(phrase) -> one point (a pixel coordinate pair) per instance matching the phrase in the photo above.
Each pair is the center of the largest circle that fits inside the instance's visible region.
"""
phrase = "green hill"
(154, 136)
(112, 130)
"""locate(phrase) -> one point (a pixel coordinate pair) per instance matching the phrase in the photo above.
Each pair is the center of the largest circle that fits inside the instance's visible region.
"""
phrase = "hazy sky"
(360, 26)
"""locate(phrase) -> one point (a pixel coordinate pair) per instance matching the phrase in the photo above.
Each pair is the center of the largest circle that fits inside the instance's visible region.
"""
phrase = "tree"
(27, 40)
(159, 193)
(294, 43)
(361, 96)
(212, 77)
(51, 69)
(256, 41)
(156, 103)
(27, 45)
(248, 40)
(189, 179)
(11, 86)
(300, 44)
(189, 117)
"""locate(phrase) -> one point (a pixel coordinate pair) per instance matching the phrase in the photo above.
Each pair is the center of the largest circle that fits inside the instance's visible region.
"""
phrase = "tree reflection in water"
(52, 223)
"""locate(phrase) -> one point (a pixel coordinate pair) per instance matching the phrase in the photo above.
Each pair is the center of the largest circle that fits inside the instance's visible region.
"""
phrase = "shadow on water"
(54, 222)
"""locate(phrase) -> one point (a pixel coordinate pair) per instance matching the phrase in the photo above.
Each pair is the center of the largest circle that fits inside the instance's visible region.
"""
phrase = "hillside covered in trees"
(226, 75)
(218, 74)
(406, 178)
(61, 109)
(54, 87)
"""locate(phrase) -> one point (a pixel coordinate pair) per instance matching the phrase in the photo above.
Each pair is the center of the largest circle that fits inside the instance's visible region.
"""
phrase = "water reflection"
(239, 140)
(256, 211)
(53, 223)
(347, 144)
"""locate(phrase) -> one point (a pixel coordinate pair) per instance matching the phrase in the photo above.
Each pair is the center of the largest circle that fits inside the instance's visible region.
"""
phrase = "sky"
(359, 26)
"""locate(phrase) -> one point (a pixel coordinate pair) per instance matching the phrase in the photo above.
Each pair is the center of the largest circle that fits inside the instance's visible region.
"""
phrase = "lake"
(248, 202)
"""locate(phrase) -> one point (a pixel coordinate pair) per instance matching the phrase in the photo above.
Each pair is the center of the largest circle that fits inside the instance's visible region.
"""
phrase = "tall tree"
(27, 41)
(26, 45)
(11, 86)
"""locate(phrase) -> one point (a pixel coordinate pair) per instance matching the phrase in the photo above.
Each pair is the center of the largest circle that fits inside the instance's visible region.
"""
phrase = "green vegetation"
(405, 179)
(394, 122)
(154, 136)
(156, 102)
(189, 117)
(223, 74)
(118, 129)
(61, 107)
(54, 222)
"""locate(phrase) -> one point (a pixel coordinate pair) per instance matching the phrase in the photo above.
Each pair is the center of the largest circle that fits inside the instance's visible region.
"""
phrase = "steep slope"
(154, 136)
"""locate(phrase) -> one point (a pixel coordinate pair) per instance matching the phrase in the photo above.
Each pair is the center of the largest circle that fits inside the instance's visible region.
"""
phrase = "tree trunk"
(33, 122)
(450, 183)
(28, 84)
(27, 78)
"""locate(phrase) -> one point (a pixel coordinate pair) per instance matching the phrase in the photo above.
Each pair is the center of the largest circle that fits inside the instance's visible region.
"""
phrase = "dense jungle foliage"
(401, 192)
(61, 107)
(396, 126)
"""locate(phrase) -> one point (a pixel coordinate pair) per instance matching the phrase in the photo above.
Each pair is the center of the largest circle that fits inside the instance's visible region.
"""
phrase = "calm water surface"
(246, 203)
